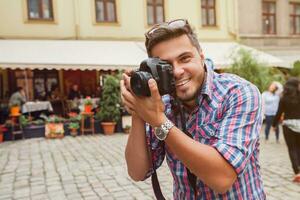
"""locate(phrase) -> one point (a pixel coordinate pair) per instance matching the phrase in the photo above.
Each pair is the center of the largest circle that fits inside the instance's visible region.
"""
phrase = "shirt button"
(211, 132)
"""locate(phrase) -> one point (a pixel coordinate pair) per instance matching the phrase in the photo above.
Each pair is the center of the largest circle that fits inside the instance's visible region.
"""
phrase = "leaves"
(248, 67)
(110, 100)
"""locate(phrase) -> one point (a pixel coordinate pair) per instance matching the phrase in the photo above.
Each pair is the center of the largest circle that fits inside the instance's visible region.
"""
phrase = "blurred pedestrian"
(270, 100)
(18, 97)
(289, 105)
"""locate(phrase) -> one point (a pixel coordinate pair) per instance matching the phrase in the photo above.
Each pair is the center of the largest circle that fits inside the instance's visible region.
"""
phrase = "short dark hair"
(164, 33)
(19, 89)
(291, 91)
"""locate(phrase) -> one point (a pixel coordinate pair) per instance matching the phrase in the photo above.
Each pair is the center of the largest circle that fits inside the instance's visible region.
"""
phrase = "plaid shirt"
(229, 119)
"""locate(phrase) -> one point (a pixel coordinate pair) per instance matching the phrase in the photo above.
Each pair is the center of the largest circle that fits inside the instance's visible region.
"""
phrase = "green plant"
(127, 127)
(110, 100)
(246, 66)
(24, 121)
(53, 119)
(37, 122)
(88, 101)
(76, 118)
(295, 71)
(73, 125)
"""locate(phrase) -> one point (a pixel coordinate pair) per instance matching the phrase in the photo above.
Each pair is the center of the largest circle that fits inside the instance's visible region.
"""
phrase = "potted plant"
(127, 129)
(54, 127)
(73, 126)
(32, 128)
(126, 120)
(88, 105)
(109, 112)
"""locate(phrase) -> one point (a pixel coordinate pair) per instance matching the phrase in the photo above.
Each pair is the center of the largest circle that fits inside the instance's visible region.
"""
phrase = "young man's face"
(188, 66)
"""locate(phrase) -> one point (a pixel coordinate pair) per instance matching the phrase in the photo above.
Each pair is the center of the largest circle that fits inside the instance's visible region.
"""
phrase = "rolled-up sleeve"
(239, 128)
(157, 150)
(157, 147)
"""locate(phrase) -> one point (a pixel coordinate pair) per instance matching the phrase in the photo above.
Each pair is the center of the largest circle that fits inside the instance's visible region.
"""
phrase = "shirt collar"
(206, 88)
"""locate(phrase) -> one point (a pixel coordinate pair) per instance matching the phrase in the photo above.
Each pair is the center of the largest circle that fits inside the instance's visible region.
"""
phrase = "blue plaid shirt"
(228, 119)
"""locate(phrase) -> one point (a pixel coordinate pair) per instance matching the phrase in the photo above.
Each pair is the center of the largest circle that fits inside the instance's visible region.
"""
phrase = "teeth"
(182, 82)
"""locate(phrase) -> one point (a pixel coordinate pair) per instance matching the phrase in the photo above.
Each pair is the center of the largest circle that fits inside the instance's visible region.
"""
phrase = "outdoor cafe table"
(32, 106)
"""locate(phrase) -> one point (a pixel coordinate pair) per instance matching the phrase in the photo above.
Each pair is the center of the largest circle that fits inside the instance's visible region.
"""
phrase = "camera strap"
(156, 187)
(191, 177)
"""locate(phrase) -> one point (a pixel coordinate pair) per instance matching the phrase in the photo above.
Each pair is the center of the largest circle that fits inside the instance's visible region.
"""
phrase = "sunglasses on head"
(177, 23)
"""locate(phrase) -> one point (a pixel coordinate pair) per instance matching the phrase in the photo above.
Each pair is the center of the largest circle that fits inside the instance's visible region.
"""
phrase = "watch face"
(160, 134)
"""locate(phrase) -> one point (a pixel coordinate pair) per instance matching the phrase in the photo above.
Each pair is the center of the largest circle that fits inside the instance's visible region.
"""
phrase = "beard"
(188, 96)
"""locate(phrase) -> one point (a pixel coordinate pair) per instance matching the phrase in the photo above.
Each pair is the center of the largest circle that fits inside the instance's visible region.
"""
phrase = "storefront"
(37, 65)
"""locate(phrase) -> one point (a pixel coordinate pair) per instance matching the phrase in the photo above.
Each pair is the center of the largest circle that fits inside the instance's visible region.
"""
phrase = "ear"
(202, 55)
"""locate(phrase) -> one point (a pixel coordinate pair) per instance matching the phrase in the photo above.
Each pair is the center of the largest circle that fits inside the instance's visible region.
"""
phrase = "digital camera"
(161, 71)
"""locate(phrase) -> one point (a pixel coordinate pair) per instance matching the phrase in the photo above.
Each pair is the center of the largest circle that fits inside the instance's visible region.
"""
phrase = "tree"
(296, 69)
(246, 66)
(110, 100)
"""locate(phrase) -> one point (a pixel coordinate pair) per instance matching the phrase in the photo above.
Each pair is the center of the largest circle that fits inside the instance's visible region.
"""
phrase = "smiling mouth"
(183, 82)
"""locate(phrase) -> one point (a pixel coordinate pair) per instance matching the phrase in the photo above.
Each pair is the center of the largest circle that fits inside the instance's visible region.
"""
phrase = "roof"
(91, 55)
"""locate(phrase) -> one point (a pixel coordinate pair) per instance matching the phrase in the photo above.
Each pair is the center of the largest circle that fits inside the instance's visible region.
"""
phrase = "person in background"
(55, 93)
(98, 92)
(289, 105)
(74, 92)
(270, 102)
(18, 97)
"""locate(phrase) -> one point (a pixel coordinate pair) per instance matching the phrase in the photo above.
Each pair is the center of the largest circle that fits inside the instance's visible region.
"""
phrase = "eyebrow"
(184, 54)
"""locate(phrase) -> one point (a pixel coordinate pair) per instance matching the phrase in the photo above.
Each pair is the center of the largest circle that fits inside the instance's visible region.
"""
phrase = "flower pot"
(108, 127)
(54, 130)
(15, 111)
(88, 108)
(73, 132)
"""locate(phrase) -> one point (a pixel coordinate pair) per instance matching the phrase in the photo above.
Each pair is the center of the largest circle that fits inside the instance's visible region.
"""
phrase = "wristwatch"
(162, 131)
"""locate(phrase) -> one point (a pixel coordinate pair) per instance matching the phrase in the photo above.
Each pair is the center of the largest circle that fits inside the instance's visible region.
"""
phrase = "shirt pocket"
(208, 131)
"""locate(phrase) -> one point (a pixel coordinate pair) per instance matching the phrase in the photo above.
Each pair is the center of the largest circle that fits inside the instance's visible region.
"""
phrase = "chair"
(84, 127)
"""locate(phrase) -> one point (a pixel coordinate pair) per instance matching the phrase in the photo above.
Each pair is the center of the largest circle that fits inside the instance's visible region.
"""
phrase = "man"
(270, 103)
(223, 116)
(18, 97)
(74, 92)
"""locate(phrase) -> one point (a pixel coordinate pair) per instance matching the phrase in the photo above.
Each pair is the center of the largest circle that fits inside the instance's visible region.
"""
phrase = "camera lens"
(139, 83)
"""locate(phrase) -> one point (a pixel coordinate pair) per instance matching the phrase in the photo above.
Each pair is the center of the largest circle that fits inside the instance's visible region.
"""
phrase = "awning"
(289, 56)
(101, 55)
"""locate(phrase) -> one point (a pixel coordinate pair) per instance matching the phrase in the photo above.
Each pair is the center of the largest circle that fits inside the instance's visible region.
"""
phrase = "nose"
(178, 72)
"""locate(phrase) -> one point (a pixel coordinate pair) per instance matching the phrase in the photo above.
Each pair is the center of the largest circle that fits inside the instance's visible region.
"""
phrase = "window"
(208, 12)
(295, 18)
(155, 11)
(106, 11)
(43, 81)
(269, 17)
(40, 10)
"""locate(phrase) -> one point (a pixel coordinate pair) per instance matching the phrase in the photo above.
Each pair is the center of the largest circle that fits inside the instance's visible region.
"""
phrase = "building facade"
(108, 20)
(271, 25)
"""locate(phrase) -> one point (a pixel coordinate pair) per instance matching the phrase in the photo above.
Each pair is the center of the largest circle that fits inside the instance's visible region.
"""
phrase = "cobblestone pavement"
(93, 167)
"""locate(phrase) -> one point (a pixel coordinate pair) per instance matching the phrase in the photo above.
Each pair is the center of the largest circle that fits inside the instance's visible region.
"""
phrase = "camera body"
(160, 70)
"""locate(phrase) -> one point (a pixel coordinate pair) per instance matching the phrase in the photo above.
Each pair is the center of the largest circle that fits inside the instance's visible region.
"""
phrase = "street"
(93, 167)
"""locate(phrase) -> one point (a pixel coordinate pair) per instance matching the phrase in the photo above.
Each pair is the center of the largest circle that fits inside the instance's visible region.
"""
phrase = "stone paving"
(93, 167)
